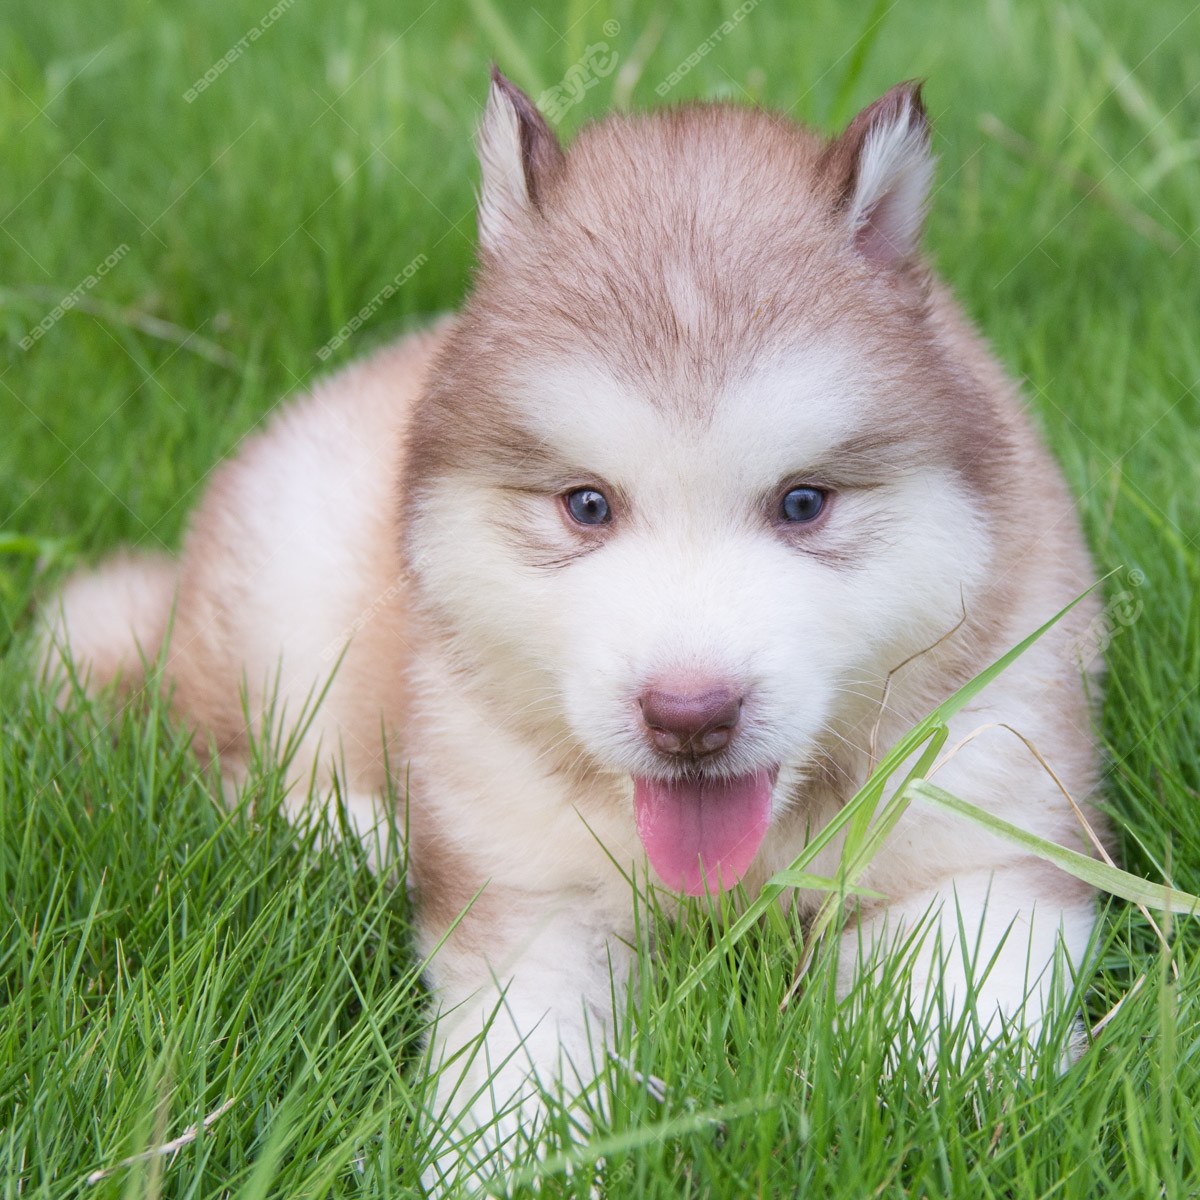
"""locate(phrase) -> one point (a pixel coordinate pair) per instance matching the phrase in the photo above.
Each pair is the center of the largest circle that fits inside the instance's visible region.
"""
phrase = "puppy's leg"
(316, 793)
(524, 989)
(998, 937)
(361, 815)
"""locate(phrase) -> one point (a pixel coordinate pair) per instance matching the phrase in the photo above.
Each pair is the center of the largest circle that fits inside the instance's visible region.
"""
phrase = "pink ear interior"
(876, 243)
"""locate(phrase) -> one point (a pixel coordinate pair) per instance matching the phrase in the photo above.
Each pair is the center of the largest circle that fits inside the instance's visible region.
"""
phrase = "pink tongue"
(703, 833)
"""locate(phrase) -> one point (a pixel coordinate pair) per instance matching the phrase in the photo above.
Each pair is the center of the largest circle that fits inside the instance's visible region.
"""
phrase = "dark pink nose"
(697, 721)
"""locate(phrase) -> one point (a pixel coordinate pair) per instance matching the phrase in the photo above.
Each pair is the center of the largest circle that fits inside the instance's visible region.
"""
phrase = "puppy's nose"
(695, 722)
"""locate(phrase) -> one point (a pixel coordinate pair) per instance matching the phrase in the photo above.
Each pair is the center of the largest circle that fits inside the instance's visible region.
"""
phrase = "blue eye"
(587, 506)
(802, 505)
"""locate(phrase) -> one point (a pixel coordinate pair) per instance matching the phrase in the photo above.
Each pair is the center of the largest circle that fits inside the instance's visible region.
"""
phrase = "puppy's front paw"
(483, 1152)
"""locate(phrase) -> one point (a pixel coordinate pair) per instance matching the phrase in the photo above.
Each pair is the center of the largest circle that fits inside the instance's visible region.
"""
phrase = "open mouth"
(702, 834)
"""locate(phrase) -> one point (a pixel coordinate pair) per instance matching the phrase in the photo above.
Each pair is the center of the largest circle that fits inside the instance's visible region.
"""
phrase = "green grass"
(160, 957)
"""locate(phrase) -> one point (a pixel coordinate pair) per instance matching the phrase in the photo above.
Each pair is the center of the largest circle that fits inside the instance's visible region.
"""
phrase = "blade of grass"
(1091, 870)
(510, 53)
(839, 110)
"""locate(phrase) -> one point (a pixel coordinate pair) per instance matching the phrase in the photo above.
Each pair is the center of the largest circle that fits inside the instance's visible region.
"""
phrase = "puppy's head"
(700, 463)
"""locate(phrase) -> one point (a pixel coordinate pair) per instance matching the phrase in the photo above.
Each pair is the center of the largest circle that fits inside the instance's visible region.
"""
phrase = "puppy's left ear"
(518, 153)
(882, 167)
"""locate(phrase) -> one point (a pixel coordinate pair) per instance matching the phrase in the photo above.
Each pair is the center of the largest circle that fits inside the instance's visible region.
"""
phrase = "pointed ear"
(882, 167)
(518, 154)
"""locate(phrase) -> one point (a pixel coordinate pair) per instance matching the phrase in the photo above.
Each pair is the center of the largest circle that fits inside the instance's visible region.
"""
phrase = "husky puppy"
(620, 560)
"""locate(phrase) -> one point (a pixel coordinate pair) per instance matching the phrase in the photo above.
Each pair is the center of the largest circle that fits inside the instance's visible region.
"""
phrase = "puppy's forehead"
(676, 241)
(690, 280)
(757, 420)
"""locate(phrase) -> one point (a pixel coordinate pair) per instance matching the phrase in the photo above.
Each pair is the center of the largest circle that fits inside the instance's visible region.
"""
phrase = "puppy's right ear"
(882, 167)
(518, 153)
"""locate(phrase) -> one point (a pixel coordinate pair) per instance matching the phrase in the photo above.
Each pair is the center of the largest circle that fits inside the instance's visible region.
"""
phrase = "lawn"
(196, 200)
